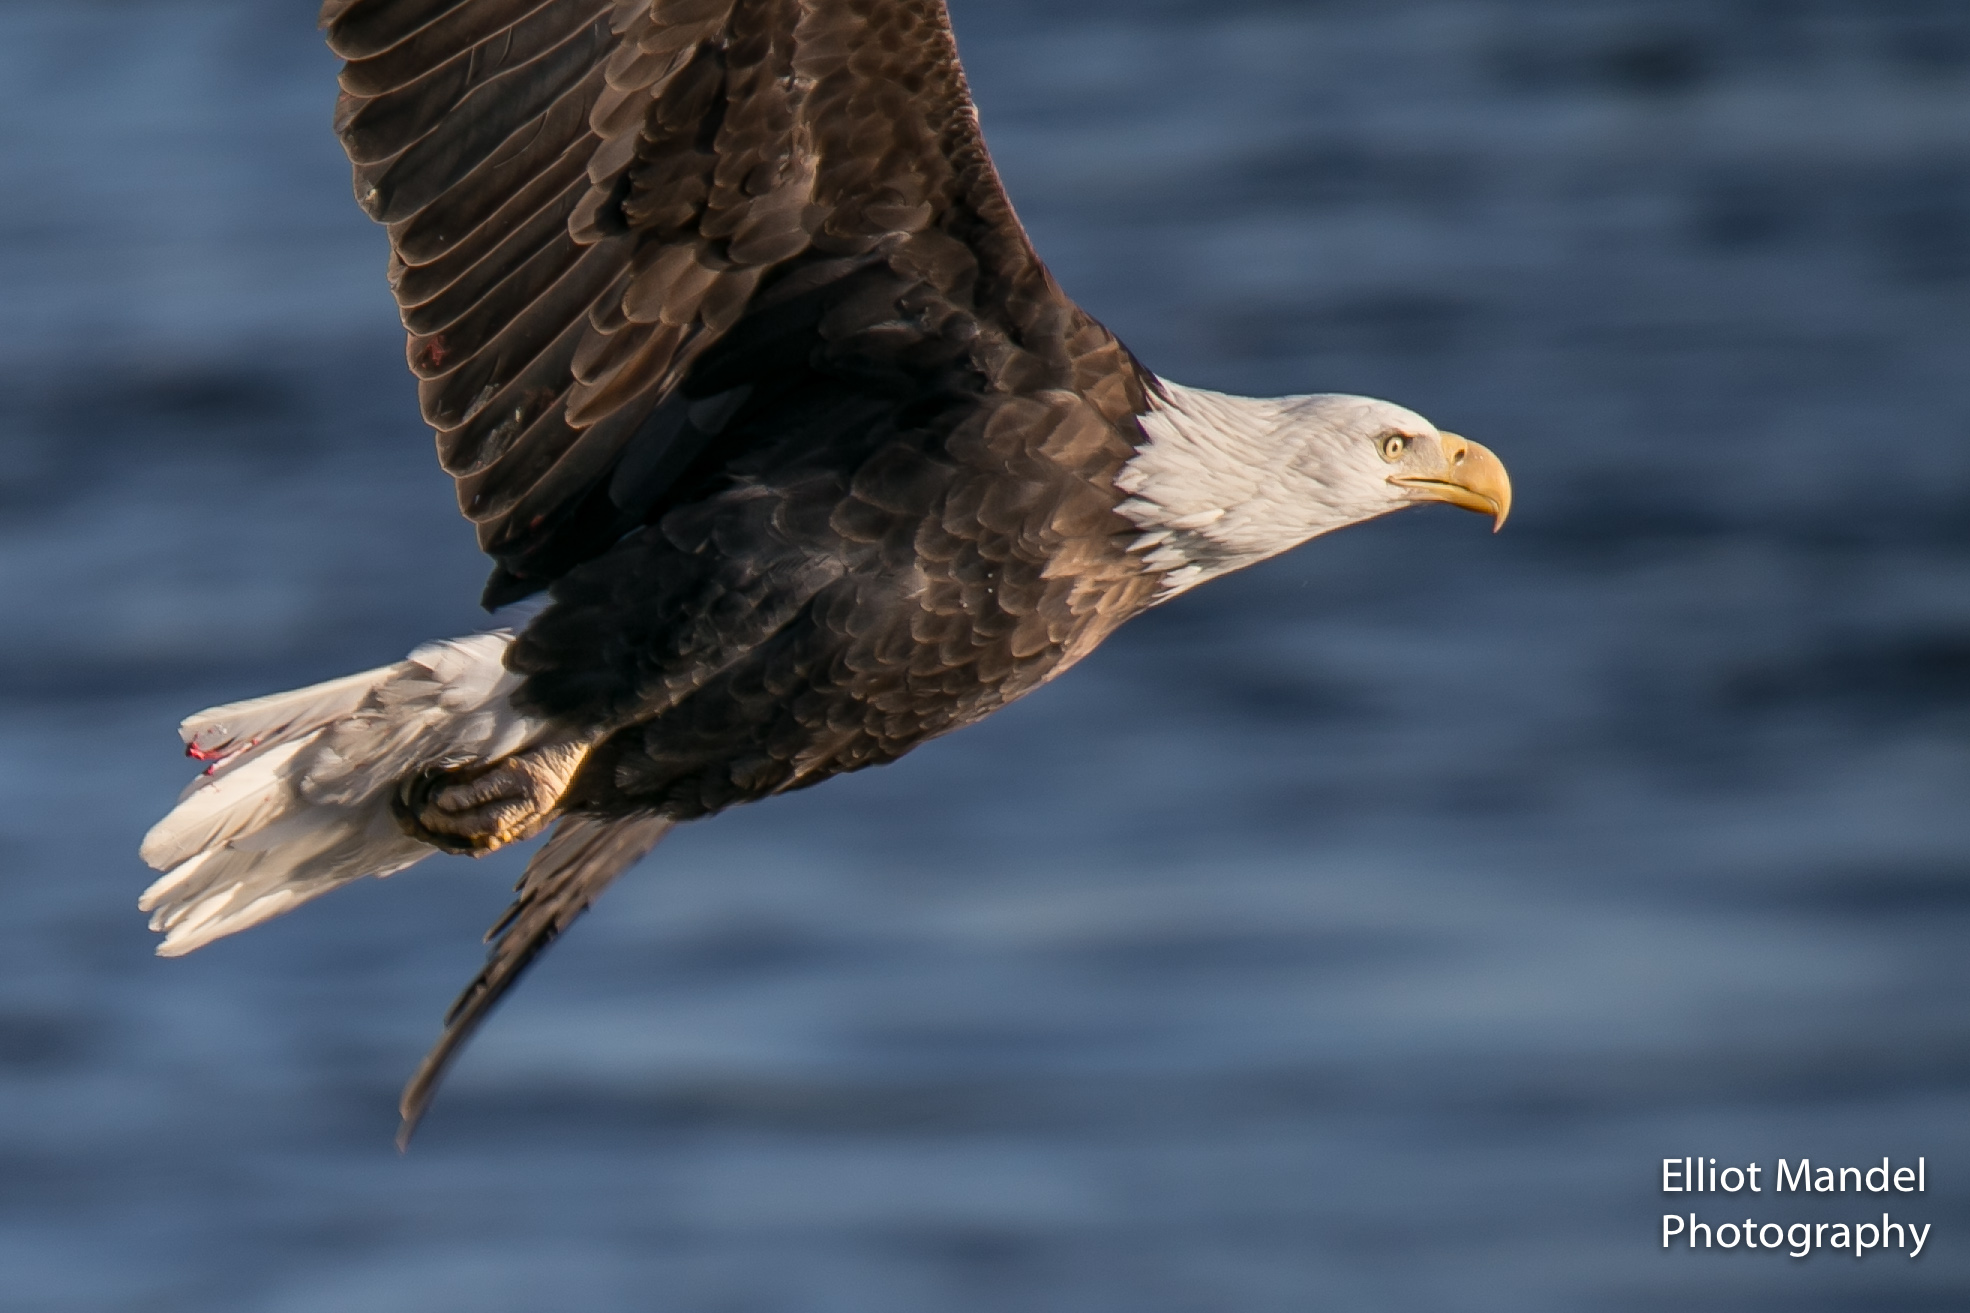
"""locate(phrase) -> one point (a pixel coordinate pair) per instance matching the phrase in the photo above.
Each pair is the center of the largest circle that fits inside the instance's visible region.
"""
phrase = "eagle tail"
(296, 797)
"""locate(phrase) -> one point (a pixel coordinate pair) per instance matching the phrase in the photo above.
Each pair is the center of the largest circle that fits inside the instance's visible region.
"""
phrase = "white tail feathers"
(297, 798)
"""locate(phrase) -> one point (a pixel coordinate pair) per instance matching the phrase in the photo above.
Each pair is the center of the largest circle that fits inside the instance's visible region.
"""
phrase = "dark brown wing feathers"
(581, 859)
(584, 195)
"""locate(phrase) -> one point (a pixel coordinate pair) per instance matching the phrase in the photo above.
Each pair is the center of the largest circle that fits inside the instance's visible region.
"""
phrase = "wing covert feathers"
(584, 196)
(296, 800)
(582, 858)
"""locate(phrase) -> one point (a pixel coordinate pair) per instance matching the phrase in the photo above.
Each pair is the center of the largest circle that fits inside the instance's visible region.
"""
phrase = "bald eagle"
(737, 351)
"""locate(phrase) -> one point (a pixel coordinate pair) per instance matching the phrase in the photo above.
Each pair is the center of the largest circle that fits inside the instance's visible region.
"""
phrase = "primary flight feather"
(735, 347)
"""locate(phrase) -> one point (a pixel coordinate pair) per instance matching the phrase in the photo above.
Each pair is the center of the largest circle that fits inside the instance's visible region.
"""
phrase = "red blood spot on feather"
(218, 756)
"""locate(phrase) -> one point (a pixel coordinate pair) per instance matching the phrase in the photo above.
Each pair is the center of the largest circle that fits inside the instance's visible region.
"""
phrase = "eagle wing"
(584, 856)
(614, 223)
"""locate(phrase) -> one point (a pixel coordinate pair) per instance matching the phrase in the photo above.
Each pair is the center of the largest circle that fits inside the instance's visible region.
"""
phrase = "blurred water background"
(1358, 933)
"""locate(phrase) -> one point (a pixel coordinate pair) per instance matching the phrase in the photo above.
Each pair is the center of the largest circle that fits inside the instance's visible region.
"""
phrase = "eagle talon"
(478, 809)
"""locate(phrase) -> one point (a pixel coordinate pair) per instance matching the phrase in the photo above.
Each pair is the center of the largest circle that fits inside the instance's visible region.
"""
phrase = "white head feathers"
(1224, 481)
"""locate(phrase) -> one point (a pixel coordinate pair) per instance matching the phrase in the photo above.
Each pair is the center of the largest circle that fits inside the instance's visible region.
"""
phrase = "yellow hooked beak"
(1471, 477)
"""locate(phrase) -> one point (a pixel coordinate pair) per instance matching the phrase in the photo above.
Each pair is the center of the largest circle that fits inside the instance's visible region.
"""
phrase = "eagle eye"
(1394, 445)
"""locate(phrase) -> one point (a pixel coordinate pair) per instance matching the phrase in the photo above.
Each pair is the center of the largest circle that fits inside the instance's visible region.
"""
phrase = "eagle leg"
(484, 806)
